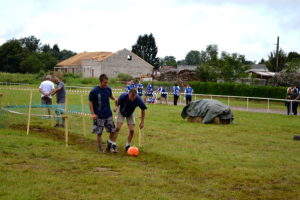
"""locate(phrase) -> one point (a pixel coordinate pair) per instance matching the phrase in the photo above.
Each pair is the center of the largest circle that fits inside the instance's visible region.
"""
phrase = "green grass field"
(256, 158)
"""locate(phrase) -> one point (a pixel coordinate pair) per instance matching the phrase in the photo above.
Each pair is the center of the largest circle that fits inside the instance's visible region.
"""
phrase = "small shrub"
(124, 77)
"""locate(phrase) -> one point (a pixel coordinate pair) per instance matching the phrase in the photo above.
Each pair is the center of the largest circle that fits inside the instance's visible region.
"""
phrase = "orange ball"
(133, 151)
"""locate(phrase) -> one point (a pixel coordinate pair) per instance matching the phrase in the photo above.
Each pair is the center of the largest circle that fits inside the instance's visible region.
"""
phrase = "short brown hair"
(132, 92)
(102, 77)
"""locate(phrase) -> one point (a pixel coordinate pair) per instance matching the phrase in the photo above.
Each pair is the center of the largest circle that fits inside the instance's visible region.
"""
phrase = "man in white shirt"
(46, 88)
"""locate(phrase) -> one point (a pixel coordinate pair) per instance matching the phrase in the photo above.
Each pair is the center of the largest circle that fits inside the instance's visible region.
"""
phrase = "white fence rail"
(14, 85)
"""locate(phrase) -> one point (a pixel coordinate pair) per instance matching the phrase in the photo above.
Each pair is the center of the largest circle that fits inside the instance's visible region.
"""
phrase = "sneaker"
(101, 151)
(56, 125)
(127, 147)
(113, 148)
(62, 125)
(43, 117)
(108, 146)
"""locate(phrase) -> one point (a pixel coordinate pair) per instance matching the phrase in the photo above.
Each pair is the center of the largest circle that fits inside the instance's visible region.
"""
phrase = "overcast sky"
(248, 27)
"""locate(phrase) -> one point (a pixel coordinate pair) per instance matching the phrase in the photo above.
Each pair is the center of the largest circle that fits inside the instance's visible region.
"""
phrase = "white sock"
(113, 143)
(127, 144)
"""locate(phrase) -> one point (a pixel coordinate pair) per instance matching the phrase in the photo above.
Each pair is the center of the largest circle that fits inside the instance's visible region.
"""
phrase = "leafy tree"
(31, 43)
(192, 58)
(211, 50)
(207, 73)
(293, 66)
(229, 67)
(55, 48)
(262, 61)
(47, 60)
(46, 48)
(65, 54)
(11, 55)
(271, 63)
(203, 57)
(145, 47)
(292, 55)
(32, 64)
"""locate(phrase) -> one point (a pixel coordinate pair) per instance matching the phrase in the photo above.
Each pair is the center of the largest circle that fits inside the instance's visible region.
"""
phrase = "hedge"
(238, 89)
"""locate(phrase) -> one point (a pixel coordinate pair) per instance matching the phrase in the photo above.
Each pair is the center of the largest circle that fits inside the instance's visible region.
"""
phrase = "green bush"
(124, 77)
(238, 89)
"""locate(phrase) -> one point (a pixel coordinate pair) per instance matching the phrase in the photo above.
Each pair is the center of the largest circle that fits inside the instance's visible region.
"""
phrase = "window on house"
(129, 57)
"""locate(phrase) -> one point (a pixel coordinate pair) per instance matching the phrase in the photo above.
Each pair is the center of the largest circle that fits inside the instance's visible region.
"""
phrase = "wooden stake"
(6, 94)
(29, 112)
(66, 121)
(83, 118)
(140, 130)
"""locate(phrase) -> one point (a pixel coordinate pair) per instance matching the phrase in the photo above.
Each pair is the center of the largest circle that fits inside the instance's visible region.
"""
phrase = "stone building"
(92, 64)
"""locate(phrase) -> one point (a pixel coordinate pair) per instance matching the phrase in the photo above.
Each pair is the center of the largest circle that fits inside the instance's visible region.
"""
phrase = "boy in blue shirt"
(132, 85)
(101, 112)
(127, 88)
(176, 93)
(188, 94)
(151, 99)
(127, 103)
(140, 88)
(148, 91)
(163, 93)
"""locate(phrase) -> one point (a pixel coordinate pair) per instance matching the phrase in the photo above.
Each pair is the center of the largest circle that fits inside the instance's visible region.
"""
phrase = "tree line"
(28, 54)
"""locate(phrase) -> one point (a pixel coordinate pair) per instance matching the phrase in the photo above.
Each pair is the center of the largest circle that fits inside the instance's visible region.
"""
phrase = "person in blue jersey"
(176, 93)
(132, 85)
(148, 91)
(188, 92)
(127, 103)
(163, 93)
(140, 88)
(101, 112)
(151, 99)
(127, 88)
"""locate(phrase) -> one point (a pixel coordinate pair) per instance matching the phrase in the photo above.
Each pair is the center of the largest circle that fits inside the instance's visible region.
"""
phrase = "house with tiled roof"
(92, 64)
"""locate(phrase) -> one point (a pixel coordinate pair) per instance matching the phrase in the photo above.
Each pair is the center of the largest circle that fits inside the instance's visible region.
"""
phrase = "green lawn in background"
(256, 158)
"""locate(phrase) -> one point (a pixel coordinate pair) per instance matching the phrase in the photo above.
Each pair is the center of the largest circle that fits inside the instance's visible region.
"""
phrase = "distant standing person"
(176, 93)
(101, 113)
(127, 104)
(132, 85)
(140, 88)
(46, 88)
(288, 103)
(188, 94)
(60, 92)
(295, 97)
(148, 91)
(163, 93)
(127, 88)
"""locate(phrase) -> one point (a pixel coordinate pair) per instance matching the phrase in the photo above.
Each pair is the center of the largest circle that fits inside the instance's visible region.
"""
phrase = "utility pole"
(277, 53)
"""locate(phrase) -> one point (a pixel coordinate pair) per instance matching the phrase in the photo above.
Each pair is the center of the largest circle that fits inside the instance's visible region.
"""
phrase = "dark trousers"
(175, 100)
(188, 100)
(294, 107)
(288, 107)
